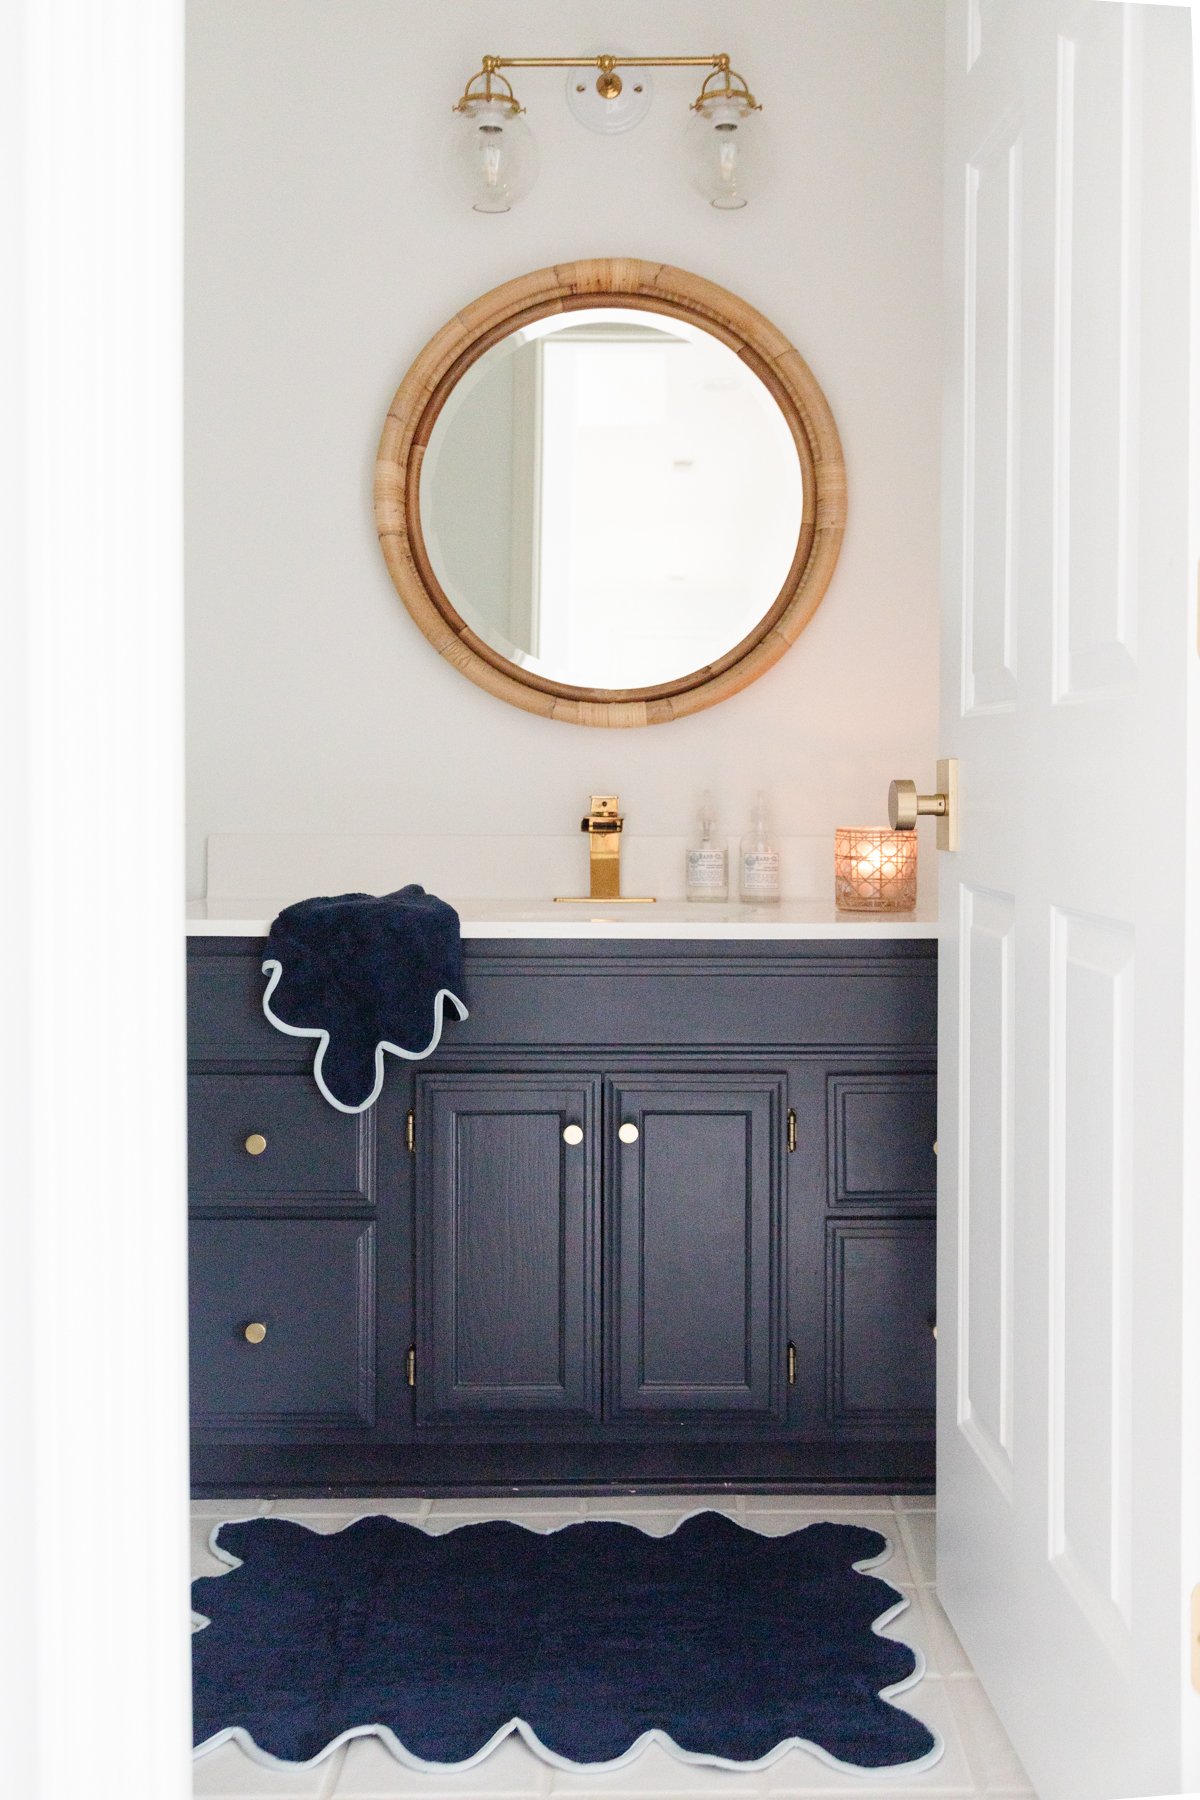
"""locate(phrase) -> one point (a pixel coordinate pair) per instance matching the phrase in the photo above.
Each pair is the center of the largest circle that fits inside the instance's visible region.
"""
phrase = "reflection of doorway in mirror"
(665, 470)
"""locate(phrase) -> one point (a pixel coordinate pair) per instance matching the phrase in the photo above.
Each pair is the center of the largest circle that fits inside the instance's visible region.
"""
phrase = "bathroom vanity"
(659, 1213)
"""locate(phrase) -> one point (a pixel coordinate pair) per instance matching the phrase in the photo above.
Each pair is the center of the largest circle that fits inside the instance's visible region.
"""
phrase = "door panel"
(984, 1314)
(507, 1218)
(697, 1251)
(1065, 932)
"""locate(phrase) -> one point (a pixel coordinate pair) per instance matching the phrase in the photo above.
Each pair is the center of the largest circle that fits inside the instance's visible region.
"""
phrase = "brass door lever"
(905, 805)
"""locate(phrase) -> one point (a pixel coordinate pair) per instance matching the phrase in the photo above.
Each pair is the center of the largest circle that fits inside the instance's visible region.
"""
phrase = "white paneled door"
(1068, 624)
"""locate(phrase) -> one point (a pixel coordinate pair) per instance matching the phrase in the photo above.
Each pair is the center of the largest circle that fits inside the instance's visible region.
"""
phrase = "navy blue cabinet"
(656, 1215)
(282, 1322)
(506, 1234)
(697, 1239)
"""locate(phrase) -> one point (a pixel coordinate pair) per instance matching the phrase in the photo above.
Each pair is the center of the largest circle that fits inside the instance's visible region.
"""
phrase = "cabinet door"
(506, 1247)
(880, 1350)
(697, 1254)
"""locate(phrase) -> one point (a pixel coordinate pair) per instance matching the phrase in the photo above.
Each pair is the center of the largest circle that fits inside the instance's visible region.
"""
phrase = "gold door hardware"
(791, 1128)
(256, 1143)
(255, 1333)
(905, 805)
(628, 1132)
(791, 1365)
(604, 825)
(410, 1130)
(572, 1134)
(935, 1145)
(410, 1363)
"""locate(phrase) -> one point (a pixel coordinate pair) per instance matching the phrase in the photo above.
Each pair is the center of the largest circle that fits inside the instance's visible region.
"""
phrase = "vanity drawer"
(881, 1127)
(225, 1018)
(261, 1139)
(282, 1322)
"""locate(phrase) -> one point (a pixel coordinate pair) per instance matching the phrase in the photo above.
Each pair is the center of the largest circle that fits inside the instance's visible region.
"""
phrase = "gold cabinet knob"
(256, 1143)
(255, 1333)
(572, 1134)
(628, 1132)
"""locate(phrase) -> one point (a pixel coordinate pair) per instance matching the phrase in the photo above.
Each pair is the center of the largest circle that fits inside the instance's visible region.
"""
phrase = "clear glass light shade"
(726, 153)
(490, 156)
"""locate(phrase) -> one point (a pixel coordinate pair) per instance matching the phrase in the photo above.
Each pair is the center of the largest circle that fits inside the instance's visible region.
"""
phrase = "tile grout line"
(910, 1553)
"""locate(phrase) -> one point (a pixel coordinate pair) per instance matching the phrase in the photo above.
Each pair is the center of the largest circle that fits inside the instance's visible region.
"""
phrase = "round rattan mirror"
(610, 492)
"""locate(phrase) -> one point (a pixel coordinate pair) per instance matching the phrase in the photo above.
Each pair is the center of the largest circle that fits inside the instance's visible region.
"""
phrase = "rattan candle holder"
(874, 869)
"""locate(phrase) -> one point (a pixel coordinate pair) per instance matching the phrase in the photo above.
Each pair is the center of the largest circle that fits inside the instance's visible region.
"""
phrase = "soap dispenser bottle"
(707, 860)
(759, 860)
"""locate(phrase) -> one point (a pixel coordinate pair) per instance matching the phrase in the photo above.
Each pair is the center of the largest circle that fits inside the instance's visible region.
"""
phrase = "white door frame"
(93, 1402)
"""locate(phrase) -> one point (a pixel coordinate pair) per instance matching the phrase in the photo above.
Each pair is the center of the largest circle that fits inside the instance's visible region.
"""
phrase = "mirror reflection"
(611, 498)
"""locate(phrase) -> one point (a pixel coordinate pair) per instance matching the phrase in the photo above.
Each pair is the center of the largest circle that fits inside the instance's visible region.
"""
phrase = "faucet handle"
(604, 816)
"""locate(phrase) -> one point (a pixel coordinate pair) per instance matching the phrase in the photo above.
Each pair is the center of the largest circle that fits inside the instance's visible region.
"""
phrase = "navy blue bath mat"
(723, 1645)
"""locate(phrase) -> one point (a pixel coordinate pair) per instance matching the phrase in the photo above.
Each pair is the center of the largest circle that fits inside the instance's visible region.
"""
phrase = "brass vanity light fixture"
(604, 824)
(905, 805)
(492, 159)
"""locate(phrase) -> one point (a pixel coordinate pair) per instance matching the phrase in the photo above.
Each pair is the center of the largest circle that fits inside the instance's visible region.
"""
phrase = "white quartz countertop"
(663, 919)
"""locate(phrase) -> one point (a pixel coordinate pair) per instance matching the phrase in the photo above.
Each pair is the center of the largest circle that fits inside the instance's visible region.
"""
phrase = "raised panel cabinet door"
(506, 1228)
(880, 1349)
(697, 1253)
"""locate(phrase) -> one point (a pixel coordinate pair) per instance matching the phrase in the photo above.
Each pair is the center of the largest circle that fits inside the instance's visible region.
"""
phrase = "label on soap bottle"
(760, 874)
(706, 871)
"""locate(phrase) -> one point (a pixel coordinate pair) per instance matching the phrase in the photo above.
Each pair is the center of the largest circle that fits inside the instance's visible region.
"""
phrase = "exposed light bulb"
(727, 164)
(490, 156)
(725, 152)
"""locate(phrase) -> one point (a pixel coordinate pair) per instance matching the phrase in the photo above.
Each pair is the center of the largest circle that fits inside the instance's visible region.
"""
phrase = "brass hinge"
(791, 1365)
(410, 1130)
(411, 1361)
(791, 1128)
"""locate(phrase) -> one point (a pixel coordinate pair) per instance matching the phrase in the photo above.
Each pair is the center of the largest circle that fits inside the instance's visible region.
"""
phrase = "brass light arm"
(608, 85)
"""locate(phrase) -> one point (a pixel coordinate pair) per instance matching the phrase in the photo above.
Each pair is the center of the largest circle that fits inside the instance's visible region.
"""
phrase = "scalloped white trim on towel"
(273, 968)
(238, 1734)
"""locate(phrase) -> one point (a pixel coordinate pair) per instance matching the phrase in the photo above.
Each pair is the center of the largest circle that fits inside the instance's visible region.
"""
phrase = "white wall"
(324, 251)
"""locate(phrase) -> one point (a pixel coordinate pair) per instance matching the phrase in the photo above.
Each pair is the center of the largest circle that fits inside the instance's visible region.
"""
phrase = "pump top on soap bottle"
(707, 860)
(760, 859)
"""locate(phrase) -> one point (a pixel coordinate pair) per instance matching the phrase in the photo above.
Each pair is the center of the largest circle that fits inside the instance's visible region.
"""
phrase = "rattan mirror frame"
(564, 288)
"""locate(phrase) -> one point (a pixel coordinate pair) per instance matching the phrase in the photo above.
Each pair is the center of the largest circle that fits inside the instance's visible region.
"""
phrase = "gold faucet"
(603, 825)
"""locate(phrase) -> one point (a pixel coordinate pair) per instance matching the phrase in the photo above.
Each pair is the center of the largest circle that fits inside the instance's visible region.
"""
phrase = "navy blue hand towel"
(363, 973)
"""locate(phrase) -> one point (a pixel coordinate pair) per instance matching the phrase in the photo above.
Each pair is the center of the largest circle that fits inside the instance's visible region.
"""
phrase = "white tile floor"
(978, 1760)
